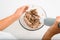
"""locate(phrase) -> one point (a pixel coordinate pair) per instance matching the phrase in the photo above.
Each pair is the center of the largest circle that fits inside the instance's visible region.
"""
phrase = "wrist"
(16, 16)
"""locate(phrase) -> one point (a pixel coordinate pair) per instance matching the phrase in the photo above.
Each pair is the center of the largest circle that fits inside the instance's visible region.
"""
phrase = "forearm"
(7, 21)
(48, 34)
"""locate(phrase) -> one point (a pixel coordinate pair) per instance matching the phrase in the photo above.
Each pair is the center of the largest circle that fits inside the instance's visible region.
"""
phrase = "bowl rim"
(30, 29)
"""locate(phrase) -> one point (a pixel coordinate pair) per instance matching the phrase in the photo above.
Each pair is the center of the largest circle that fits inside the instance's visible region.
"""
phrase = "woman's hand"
(21, 10)
(54, 29)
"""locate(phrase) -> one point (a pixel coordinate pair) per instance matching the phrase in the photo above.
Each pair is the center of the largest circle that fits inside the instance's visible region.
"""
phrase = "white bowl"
(41, 13)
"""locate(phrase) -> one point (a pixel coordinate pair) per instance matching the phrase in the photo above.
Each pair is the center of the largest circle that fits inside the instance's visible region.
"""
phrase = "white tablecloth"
(6, 36)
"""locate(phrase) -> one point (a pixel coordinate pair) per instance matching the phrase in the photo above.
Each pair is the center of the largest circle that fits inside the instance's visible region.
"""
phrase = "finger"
(22, 9)
(58, 18)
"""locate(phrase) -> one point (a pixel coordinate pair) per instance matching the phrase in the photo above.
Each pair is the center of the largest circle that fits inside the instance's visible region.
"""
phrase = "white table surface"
(8, 7)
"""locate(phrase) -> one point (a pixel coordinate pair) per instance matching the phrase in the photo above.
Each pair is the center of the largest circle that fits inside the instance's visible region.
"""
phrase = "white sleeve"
(4, 35)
